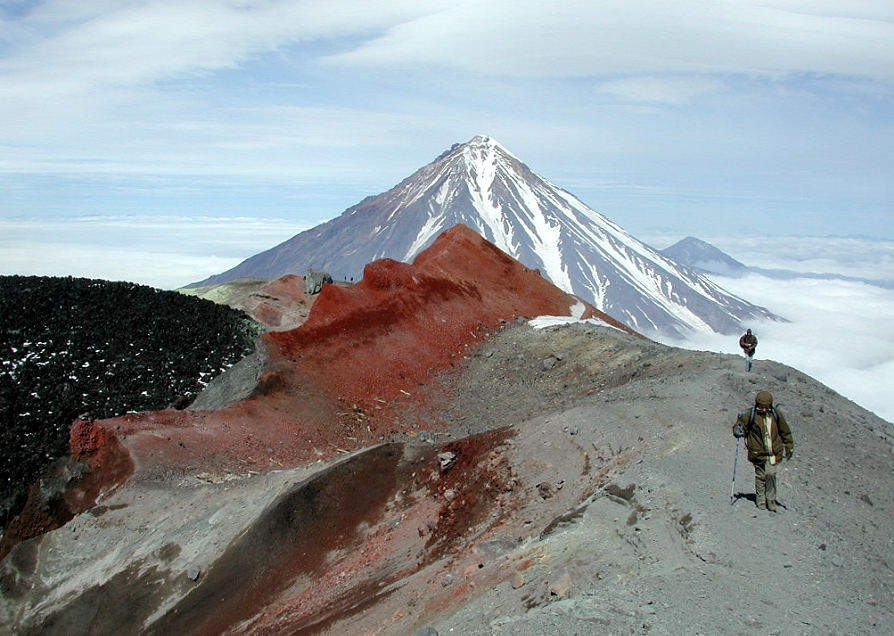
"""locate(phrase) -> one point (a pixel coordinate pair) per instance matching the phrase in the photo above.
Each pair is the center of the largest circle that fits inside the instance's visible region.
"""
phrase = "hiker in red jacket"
(748, 342)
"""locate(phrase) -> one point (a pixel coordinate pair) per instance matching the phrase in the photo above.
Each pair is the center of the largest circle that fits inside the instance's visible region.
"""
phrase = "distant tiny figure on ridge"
(769, 440)
(748, 342)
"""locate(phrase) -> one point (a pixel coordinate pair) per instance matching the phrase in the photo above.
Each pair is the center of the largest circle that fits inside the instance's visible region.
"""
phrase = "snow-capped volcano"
(482, 185)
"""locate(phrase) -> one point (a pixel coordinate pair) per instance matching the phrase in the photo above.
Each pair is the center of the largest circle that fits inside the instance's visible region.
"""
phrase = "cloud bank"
(162, 252)
(641, 37)
(840, 330)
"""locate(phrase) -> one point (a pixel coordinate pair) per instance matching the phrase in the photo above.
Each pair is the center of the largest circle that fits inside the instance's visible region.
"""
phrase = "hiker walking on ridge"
(768, 440)
(748, 342)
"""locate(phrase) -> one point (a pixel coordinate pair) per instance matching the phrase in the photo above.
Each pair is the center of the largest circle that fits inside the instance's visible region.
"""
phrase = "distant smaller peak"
(692, 241)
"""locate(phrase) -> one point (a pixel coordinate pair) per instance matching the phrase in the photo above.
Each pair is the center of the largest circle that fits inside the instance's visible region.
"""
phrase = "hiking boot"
(771, 505)
(761, 505)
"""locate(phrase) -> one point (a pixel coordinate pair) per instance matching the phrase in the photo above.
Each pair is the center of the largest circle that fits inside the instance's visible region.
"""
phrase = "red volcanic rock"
(106, 463)
(363, 368)
(100, 448)
(289, 286)
(402, 324)
(282, 303)
(97, 464)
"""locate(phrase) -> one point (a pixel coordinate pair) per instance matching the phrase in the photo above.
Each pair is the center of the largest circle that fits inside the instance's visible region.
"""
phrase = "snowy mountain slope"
(482, 185)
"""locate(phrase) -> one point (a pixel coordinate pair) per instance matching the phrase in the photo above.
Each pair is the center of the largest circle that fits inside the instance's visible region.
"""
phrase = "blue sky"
(162, 142)
(700, 116)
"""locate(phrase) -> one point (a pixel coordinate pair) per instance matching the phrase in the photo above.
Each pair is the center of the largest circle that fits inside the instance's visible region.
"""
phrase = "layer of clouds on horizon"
(163, 252)
(839, 299)
(697, 116)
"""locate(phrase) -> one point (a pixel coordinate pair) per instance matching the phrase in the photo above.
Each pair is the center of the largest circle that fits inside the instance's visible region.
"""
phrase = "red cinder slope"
(401, 325)
(362, 369)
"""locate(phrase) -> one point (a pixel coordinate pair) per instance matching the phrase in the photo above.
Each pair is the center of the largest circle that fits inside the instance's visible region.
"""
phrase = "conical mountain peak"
(481, 151)
(483, 186)
(478, 140)
(485, 143)
(477, 161)
(482, 148)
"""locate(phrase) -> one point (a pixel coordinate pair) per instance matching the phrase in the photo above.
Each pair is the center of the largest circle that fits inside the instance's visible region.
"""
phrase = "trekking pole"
(732, 492)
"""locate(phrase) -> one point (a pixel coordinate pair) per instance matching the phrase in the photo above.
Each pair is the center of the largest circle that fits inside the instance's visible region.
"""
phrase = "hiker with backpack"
(748, 343)
(769, 440)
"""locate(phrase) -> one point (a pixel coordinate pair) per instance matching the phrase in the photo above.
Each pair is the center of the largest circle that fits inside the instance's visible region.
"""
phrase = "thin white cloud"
(90, 75)
(662, 89)
(76, 46)
(568, 38)
(262, 144)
